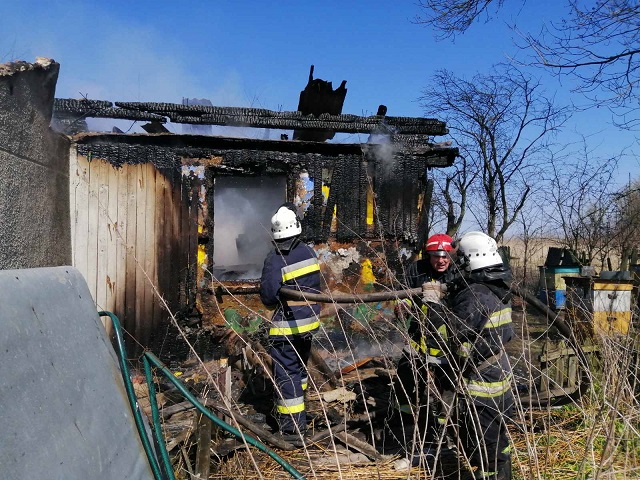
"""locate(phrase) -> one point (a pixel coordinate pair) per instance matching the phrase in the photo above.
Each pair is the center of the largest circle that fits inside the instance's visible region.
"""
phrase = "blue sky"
(256, 53)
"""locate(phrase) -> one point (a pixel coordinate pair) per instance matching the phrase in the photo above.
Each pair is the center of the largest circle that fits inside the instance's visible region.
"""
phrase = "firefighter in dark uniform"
(422, 372)
(292, 264)
(478, 330)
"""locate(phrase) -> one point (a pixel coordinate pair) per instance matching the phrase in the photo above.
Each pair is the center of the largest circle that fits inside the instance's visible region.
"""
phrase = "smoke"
(349, 346)
(243, 207)
(120, 53)
(382, 147)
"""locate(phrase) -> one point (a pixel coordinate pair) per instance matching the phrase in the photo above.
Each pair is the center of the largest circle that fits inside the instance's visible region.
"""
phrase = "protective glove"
(433, 292)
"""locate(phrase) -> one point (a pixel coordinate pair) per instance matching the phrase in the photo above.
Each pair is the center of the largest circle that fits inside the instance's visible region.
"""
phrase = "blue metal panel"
(560, 299)
(555, 299)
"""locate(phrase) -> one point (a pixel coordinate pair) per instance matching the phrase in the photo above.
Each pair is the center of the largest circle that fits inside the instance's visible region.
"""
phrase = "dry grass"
(595, 437)
(566, 448)
(240, 467)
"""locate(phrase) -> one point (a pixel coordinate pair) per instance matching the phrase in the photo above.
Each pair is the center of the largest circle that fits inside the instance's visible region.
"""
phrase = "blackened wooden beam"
(250, 117)
(316, 99)
(194, 146)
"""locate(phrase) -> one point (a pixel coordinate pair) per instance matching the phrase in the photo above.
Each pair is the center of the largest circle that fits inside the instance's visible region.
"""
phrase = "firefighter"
(422, 372)
(292, 264)
(478, 330)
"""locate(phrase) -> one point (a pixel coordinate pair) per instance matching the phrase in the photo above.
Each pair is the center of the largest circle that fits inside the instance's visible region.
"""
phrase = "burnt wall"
(398, 180)
(34, 170)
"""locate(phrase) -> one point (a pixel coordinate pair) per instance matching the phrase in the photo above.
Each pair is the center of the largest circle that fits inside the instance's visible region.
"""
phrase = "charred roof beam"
(69, 108)
(247, 117)
(435, 155)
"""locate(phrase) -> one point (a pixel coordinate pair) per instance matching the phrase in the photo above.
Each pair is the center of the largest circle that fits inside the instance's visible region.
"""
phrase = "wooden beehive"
(552, 284)
(598, 305)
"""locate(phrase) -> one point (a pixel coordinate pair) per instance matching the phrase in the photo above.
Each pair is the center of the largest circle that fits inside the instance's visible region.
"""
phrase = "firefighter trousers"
(485, 440)
(290, 355)
(418, 389)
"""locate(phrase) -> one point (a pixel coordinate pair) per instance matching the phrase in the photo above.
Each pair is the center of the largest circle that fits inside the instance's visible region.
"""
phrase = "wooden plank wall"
(134, 239)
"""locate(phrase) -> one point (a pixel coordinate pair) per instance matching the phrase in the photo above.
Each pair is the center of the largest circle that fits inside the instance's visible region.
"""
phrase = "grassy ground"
(595, 436)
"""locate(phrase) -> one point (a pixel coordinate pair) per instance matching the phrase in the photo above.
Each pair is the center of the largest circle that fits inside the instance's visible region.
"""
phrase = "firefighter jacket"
(297, 269)
(479, 328)
(427, 328)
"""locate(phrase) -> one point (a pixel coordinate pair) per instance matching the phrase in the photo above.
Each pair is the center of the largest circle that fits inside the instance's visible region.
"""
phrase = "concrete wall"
(34, 169)
(65, 413)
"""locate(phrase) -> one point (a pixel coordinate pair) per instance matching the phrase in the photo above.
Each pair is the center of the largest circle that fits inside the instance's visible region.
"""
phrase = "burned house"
(179, 222)
(171, 229)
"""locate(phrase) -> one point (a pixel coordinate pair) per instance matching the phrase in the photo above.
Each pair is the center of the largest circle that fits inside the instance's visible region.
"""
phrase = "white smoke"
(243, 207)
(383, 148)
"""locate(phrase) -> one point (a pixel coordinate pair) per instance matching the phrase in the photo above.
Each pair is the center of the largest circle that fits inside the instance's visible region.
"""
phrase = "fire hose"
(389, 295)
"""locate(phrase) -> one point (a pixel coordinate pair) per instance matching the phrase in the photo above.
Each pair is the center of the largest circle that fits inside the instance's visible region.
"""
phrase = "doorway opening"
(243, 207)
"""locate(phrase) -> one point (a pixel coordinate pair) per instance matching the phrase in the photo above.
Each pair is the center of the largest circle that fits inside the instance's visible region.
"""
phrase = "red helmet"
(439, 244)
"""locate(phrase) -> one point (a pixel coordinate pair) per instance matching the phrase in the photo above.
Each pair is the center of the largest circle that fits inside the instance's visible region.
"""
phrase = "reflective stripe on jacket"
(288, 327)
(297, 269)
(476, 388)
(430, 345)
(482, 327)
(427, 327)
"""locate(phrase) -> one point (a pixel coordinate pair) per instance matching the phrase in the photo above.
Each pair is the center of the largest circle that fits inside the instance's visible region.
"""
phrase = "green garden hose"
(155, 415)
(222, 424)
(128, 385)
(150, 358)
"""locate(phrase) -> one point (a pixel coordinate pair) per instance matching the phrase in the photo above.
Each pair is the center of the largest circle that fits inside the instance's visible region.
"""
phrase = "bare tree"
(532, 224)
(449, 204)
(449, 18)
(597, 43)
(626, 230)
(502, 124)
(580, 203)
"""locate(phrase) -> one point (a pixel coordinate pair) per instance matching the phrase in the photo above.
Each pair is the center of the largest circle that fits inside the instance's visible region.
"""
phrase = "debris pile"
(347, 406)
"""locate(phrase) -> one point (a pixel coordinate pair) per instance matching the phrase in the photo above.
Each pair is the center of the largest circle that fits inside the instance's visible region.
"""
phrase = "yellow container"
(611, 306)
(599, 306)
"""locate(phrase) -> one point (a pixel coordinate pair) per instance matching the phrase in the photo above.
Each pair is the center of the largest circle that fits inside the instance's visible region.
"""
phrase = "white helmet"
(478, 250)
(285, 224)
